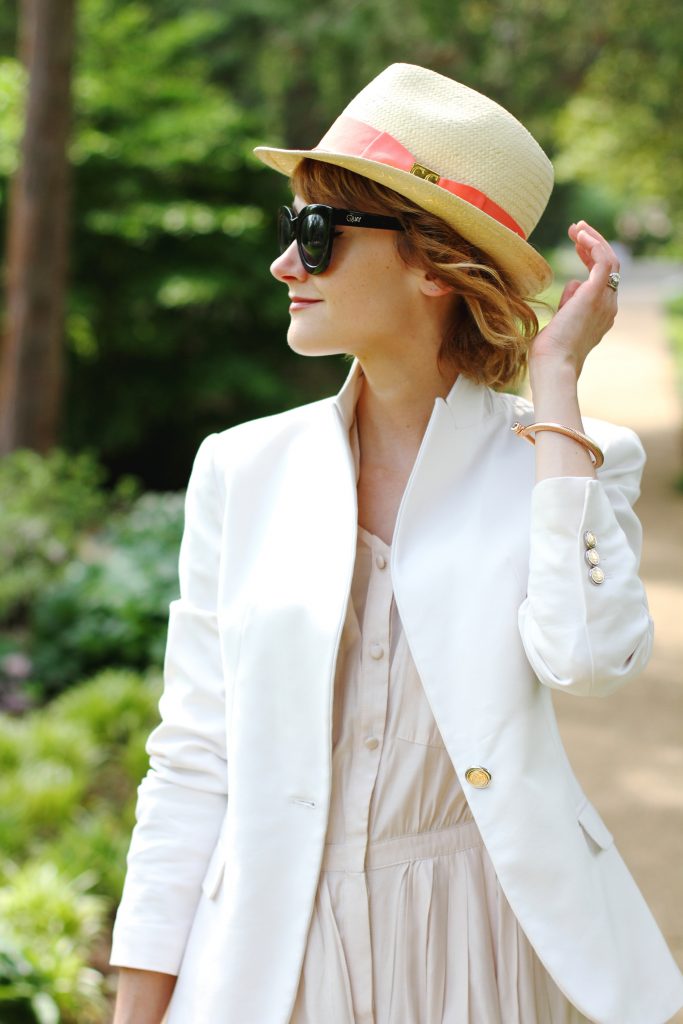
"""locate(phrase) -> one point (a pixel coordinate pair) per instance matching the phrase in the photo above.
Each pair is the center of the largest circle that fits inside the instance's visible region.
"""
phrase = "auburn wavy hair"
(492, 324)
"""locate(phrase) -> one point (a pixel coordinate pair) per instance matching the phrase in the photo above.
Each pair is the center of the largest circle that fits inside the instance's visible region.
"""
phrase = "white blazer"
(493, 591)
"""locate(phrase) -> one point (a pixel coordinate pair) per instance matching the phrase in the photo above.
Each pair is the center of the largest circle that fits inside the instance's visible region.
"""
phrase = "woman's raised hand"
(586, 311)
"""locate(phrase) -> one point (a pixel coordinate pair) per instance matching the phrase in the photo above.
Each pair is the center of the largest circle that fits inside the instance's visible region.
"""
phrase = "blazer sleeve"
(183, 798)
(581, 636)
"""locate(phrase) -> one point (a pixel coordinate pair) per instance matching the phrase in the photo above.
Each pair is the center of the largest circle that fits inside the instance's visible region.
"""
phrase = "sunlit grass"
(674, 333)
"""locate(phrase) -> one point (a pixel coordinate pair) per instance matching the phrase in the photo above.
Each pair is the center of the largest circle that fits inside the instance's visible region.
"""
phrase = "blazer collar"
(467, 402)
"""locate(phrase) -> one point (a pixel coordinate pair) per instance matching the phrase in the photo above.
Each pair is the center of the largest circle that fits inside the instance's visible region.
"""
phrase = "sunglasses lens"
(315, 236)
(285, 229)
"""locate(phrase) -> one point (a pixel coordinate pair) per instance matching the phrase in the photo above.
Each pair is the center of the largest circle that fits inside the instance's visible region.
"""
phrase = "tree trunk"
(32, 351)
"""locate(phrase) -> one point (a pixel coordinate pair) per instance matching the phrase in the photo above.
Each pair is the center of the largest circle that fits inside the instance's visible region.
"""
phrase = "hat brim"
(515, 256)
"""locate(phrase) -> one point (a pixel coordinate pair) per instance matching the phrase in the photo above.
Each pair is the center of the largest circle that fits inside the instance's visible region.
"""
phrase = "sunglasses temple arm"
(352, 219)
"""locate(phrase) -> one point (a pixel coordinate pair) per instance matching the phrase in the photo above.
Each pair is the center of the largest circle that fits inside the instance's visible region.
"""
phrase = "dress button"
(376, 651)
(589, 539)
(478, 777)
(371, 742)
(597, 575)
(380, 562)
(592, 556)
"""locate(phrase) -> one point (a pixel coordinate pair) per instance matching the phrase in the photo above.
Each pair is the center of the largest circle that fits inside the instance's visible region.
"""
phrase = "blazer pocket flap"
(592, 823)
(214, 871)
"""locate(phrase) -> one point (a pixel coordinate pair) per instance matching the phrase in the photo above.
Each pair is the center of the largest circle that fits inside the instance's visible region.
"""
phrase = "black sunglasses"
(313, 230)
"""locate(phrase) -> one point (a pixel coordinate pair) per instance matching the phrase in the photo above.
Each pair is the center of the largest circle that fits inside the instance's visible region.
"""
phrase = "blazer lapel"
(458, 557)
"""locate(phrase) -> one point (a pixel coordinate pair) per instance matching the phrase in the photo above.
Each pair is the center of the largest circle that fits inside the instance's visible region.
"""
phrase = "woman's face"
(366, 299)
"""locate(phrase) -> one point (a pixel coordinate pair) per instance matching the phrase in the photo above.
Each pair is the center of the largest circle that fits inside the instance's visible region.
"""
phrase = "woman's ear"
(433, 287)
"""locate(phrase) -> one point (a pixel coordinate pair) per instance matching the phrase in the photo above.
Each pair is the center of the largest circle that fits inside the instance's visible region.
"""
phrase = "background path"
(627, 749)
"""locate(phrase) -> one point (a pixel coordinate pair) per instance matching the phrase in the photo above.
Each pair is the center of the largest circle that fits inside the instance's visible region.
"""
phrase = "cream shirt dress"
(410, 925)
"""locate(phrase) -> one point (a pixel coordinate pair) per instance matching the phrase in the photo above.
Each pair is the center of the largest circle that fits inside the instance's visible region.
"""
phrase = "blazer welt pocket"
(214, 872)
(594, 826)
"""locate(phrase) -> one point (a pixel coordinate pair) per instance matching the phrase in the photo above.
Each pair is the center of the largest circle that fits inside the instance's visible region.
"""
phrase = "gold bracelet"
(591, 447)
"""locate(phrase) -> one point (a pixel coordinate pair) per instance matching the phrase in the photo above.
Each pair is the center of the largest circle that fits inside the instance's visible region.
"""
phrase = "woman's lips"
(298, 303)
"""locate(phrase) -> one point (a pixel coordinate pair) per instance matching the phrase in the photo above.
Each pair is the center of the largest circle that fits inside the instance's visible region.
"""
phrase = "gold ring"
(613, 280)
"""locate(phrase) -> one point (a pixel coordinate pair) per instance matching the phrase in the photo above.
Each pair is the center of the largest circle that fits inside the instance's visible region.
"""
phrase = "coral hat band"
(354, 138)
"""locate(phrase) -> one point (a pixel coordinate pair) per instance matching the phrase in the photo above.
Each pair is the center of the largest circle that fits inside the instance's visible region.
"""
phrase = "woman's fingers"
(587, 247)
(583, 225)
(592, 312)
(599, 258)
(602, 266)
(594, 249)
(591, 247)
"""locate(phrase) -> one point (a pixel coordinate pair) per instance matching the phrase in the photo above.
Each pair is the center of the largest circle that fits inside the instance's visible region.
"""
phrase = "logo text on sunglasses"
(353, 218)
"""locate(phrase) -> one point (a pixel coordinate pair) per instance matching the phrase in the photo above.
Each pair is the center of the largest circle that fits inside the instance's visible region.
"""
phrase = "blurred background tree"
(173, 326)
(32, 356)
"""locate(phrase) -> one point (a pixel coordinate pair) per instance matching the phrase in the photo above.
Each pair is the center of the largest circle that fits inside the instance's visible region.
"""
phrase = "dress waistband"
(398, 850)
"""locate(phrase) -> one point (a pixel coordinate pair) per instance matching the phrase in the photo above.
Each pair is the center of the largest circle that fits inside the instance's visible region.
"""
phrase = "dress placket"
(367, 728)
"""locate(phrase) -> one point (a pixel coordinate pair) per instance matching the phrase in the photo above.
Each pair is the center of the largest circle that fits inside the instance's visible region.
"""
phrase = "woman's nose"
(288, 266)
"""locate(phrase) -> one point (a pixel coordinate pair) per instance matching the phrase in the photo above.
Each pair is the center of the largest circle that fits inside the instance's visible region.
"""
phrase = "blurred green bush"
(674, 328)
(23, 999)
(68, 778)
(50, 921)
(110, 604)
(46, 504)
(86, 575)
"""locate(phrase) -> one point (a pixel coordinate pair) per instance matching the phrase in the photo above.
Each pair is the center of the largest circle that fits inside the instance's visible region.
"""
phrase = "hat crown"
(459, 134)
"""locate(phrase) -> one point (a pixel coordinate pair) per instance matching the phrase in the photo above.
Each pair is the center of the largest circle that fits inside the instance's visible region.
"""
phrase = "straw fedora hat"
(452, 151)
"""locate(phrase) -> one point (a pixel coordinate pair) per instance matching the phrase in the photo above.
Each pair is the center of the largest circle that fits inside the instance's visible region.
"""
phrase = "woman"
(359, 807)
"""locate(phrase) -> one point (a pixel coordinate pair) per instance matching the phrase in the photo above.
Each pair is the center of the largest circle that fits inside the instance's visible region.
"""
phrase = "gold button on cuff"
(596, 574)
(372, 742)
(589, 539)
(592, 556)
(478, 777)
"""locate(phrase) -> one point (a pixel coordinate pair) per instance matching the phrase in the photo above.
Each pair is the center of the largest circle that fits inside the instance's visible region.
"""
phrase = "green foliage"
(172, 244)
(112, 707)
(51, 921)
(96, 842)
(674, 330)
(675, 306)
(68, 777)
(622, 128)
(46, 503)
(110, 605)
(23, 999)
(12, 94)
(80, 755)
(88, 592)
(50, 778)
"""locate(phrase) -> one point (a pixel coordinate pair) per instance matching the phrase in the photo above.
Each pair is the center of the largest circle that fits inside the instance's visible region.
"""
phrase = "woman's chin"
(312, 346)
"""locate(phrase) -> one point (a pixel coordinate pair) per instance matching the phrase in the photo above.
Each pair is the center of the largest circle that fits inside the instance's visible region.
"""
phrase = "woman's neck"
(395, 406)
(392, 415)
